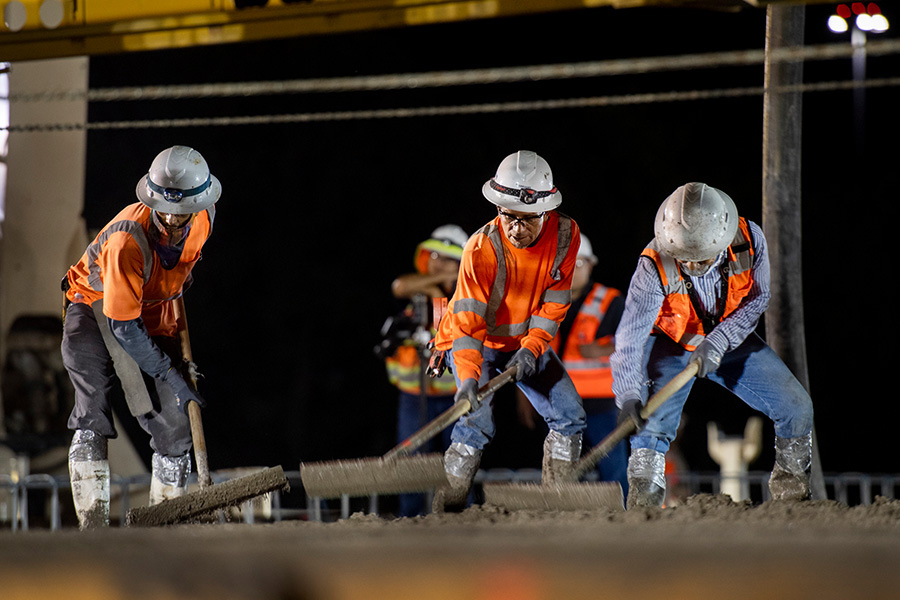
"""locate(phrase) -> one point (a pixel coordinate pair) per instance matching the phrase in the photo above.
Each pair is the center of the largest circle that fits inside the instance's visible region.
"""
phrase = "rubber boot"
(560, 454)
(793, 461)
(646, 479)
(89, 474)
(169, 478)
(460, 464)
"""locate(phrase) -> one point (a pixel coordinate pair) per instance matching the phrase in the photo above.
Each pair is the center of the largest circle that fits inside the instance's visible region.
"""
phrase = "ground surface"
(709, 547)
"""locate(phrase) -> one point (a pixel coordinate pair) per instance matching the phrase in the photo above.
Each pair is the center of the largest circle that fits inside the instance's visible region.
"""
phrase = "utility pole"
(782, 142)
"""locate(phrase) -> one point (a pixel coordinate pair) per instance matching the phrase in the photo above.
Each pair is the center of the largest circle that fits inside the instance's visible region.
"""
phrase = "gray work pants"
(91, 370)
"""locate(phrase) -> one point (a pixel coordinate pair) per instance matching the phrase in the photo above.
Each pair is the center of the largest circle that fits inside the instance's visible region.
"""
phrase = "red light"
(873, 9)
(858, 8)
(843, 11)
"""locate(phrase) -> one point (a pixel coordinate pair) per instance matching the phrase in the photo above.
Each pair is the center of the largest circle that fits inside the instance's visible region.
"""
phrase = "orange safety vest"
(509, 297)
(121, 267)
(677, 317)
(403, 369)
(592, 376)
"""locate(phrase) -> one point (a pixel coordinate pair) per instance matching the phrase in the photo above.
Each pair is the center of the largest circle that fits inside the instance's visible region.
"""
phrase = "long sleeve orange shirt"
(509, 298)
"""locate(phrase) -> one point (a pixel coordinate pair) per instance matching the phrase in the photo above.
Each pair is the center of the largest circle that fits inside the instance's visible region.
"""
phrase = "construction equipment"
(571, 495)
(396, 472)
(209, 498)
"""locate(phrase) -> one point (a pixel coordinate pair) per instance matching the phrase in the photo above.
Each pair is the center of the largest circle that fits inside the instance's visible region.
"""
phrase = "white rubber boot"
(560, 454)
(460, 464)
(790, 476)
(646, 479)
(89, 474)
(169, 478)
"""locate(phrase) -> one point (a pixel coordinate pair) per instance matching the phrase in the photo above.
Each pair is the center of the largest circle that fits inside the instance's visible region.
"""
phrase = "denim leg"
(752, 371)
(409, 422)
(553, 395)
(613, 466)
(550, 390)
(758, 376)
(664, 359)
(477, 428)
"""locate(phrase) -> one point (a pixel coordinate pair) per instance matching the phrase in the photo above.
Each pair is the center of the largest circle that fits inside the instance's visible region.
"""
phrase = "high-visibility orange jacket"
(677, 318)
(121, 267)
(592, 376)
(508, 297)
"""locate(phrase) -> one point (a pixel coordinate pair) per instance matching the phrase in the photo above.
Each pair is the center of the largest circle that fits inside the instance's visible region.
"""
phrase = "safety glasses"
(512, 219)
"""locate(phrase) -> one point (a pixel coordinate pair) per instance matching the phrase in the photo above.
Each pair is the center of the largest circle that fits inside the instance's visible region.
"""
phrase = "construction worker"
(696, 296)
(119, 303)
(585, 343)
(436, 262)
(513, 291)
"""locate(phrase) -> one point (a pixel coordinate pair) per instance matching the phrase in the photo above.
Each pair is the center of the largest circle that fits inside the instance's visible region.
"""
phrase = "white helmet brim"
(521, 200)
(178, 202)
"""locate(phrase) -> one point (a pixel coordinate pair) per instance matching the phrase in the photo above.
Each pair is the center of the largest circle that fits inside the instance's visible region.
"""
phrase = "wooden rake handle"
(624, 429)
(199, 439)
(443, 420)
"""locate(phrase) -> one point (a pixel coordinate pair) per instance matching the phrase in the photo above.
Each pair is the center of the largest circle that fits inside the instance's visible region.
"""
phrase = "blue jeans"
(408, 422)
(550, 390)
(613, 467)
(752, 371)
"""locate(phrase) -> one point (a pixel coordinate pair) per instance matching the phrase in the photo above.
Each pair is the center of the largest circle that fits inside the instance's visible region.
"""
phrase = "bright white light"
(837, 24)
(880, 23)
(864, 22)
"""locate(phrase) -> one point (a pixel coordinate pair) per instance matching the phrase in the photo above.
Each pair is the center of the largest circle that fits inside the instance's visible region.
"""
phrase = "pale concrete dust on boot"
(784, 485)
(90, 492)
(556, 469)
(644, 494)
(453, 497)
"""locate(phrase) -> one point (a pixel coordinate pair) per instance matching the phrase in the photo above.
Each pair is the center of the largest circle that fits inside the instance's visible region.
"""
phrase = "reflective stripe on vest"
(137, 233)
(404, 371)
(592, 376)
(563, 241)
(677, 317)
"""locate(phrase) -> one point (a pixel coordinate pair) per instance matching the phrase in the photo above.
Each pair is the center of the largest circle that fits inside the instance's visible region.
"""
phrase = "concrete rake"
(572, 495)
(209, 498)
(397, 471)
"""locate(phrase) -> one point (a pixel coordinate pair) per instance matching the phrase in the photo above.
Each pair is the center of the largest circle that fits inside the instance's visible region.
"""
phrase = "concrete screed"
(707, 547)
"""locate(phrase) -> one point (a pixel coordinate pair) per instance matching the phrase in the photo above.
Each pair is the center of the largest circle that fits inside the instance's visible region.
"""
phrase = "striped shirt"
(645, 298)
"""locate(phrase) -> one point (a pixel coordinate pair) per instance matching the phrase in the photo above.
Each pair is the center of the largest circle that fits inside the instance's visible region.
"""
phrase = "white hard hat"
(446, 240)
(451, 235)
(696, 222)
(523, 183)
(179, 182)
(585, 250)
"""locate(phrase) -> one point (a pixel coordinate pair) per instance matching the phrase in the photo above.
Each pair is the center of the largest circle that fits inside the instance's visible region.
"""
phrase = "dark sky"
(316, 219)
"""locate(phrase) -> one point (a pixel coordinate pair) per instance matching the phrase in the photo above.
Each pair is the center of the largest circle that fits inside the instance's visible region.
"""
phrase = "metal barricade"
(848, 488)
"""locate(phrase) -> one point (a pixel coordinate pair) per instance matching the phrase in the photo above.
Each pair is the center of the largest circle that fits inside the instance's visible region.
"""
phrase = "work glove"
(526, 361)
(468, 390)
(631, 411)
(707, 357)
(184, 394)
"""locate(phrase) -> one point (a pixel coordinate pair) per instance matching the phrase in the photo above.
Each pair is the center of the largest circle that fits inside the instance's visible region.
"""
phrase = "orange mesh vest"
(592, 376)
(677, 318)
